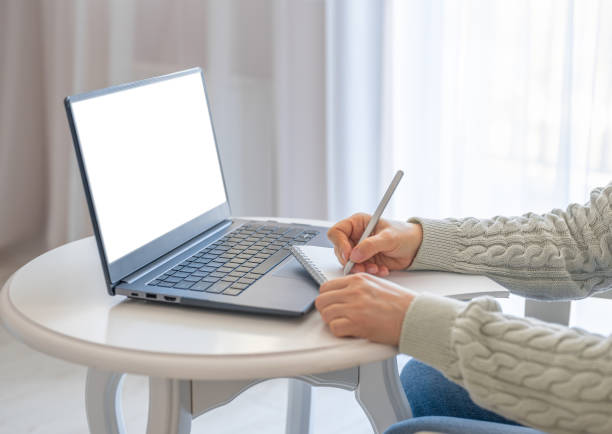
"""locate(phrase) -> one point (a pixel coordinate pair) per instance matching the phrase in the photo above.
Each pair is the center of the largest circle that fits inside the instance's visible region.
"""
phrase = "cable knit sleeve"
(558, 255)
(550, 377)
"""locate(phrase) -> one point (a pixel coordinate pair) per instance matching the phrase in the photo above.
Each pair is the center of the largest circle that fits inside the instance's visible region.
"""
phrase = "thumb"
(370, 247)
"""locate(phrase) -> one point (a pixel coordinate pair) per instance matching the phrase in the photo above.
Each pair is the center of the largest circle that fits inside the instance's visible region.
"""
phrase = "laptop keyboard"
(236, 261)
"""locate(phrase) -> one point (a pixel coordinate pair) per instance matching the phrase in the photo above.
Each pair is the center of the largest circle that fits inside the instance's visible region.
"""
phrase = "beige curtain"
(264, 63)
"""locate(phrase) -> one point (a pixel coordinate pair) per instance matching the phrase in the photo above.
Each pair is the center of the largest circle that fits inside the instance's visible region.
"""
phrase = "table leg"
(103, 402)
(170, 406)
(298, 407)
(381, 395)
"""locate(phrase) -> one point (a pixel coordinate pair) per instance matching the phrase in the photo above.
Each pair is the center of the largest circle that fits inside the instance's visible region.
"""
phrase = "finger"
(335, 284)
(338, 254)
(333, 312)
(343, 282)
(329, 298)
(358, 268)
(339, 235)
(342, 327)
(371, 246)
(371, 268)
(366, 267)
(383, 271)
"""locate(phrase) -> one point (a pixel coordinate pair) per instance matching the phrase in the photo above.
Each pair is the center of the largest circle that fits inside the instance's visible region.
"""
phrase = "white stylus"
(374, 220)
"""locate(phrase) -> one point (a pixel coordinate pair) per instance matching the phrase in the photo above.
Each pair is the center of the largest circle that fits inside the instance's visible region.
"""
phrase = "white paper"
(454, 285)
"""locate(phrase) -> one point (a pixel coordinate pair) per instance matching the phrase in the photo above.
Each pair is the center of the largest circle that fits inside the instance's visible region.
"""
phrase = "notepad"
(322, 265)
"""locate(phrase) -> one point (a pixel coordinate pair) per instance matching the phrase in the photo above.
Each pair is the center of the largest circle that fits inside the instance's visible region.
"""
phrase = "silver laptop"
(150, 167)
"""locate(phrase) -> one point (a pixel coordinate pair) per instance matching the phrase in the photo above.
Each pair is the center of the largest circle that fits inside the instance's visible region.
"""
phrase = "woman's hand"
(364, 306)
(392, 245)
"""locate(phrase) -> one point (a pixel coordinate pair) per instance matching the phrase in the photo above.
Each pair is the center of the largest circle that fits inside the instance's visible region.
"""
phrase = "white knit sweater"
(550, 377)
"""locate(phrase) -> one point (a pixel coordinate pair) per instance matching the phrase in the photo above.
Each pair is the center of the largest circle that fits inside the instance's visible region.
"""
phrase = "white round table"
(196, 359)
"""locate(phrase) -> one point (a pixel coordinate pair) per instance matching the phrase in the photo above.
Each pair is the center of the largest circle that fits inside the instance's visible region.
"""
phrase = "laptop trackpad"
(292, 269)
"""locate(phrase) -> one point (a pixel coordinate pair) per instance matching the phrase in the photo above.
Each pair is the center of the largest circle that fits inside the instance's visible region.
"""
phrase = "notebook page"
(454, 285)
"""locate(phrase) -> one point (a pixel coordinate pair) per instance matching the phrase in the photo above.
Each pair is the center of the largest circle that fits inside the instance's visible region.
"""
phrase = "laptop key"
(294, 232)
(166, 284)
(232, 291)
(218, 287)
(180, 274)
(253, 276)
(184, 285)
(188, 270)
(217, 274)
(224, 269)
(192, 278)
(240, 286)
(229, 279)
(210, 279)
(207, 268)
(201, 286)
(244, 269)
(272, 261)
(173, 279)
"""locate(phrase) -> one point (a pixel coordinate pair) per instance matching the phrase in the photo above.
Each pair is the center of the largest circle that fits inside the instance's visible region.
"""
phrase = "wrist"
(415, 239)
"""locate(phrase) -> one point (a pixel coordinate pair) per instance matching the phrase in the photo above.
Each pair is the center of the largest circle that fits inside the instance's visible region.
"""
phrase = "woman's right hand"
(391, 246)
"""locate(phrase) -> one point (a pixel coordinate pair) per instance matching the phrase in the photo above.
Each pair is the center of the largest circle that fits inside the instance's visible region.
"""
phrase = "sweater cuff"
(438, 247)
(426, 330)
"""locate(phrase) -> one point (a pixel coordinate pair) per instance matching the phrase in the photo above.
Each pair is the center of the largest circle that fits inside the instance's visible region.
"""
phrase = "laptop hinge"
(131, 278)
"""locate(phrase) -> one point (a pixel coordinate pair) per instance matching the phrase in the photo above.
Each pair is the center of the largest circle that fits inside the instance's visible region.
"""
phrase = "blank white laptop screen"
(151, 160)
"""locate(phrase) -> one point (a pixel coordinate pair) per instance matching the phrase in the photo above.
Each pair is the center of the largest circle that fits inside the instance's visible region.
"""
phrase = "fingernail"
(356, 255)
(343, 256)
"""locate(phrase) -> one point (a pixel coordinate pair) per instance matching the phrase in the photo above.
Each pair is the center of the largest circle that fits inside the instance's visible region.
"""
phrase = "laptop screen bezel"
(115, 271)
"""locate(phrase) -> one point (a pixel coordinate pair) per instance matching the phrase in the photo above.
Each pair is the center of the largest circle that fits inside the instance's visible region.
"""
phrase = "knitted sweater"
(550, 377)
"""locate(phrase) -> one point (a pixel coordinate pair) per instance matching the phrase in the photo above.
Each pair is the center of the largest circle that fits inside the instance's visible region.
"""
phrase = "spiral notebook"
(322, 265)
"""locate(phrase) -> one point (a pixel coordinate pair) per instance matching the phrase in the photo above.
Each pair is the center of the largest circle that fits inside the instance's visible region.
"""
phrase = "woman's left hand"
(364, 306)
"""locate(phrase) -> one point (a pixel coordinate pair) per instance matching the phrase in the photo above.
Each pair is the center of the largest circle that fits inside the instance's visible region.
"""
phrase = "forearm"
(550, 377)
(561, 254)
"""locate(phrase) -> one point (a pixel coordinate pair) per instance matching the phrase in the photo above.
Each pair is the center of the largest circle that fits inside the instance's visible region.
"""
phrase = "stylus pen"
(374, 220)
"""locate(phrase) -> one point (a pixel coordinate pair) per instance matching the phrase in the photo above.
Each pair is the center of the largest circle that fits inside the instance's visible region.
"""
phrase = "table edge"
(184, 366)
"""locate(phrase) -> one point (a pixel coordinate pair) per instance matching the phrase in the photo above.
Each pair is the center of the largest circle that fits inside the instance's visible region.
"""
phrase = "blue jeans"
(440, 405)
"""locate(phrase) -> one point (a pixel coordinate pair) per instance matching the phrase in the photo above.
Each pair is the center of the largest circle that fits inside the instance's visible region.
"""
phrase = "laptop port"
(135, 294)
(168, 298)
(149, 295)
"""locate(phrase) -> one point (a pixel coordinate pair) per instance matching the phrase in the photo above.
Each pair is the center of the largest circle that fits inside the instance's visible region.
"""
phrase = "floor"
(39, 394)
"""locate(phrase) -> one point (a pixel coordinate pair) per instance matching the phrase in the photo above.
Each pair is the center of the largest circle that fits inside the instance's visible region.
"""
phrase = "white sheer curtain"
(264, 63)
(496, 107)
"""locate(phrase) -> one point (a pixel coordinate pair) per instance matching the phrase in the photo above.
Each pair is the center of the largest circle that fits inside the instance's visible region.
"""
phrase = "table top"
(58, 304)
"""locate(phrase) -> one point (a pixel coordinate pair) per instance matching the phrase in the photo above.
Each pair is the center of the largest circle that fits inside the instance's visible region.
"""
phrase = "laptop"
(156, 194)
